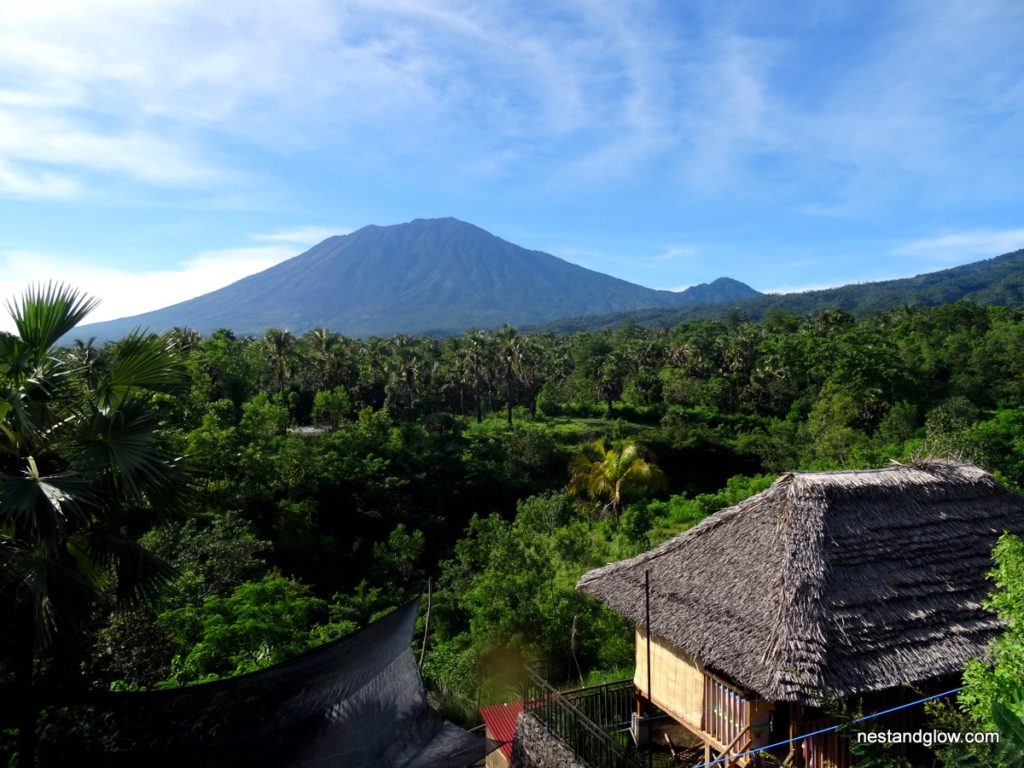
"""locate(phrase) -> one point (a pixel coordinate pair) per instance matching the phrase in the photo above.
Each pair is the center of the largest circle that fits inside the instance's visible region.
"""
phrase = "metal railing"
(608, 705)
(565, 719)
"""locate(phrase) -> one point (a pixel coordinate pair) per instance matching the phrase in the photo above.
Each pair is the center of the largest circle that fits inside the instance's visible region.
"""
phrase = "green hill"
(993, 282)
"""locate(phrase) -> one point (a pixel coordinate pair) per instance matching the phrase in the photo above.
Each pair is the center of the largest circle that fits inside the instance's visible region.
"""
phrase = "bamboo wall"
(676, 679)
(718, 712)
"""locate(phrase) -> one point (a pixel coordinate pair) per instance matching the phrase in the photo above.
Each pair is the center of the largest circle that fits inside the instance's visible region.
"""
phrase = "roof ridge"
(795, 652)
(713, 520)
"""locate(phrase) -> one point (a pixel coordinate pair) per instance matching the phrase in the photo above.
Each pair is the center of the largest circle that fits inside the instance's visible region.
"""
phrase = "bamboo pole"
(647, 615)
(647, 612)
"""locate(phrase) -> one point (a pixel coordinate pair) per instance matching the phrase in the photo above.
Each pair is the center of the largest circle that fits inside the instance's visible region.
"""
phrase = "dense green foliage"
(1002, 680)
(993, 694)
(329, 478)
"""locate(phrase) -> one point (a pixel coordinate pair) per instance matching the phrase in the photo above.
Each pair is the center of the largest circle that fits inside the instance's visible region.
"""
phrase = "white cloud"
(145, 91)
(964, 246)
(19, 183)
(124, 292)
(570, 93)
(141, 155)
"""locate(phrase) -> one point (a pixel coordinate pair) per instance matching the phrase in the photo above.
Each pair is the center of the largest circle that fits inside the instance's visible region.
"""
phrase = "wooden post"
(796, 712)
(647, 612)
(647, 615)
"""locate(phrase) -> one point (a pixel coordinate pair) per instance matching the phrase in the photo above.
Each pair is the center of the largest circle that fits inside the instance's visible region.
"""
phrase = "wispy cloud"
(18, 182)
(58, 143)
(732, 115)
(150, 91)
(847, 112)
(912, 123)
(964, 246)
(674, 253)
(301, 235)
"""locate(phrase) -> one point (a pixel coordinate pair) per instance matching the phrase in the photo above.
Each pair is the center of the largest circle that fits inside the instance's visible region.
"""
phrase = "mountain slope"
(993, 282)
(430, 275)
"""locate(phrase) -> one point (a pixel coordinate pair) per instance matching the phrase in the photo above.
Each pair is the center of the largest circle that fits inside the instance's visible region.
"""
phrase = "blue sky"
(153, 151)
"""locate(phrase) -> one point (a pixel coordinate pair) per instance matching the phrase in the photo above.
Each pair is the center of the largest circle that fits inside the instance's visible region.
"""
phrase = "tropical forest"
(182, 508)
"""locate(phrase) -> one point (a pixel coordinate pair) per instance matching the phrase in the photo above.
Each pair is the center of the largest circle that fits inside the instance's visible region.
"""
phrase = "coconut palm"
(510, 345)
(476, 360)
(613, 474)
(80, 460)
(327, 360)
(406, 375)
(280, 348)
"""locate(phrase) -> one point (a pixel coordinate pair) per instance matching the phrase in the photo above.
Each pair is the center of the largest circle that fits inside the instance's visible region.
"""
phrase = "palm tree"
(475, 363)
(80, 458)
(280, 347)
(327, 359)
(405, 374)
(184, 338)
(613, 474)
(511, 346)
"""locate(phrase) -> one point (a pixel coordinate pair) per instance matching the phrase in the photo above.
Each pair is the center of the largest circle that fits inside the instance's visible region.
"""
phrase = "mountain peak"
(424, 275)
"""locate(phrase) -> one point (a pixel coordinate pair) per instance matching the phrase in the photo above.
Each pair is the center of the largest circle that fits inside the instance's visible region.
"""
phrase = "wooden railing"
(726, 712)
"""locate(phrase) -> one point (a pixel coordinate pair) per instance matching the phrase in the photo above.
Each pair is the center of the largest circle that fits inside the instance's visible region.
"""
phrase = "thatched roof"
(829, 583)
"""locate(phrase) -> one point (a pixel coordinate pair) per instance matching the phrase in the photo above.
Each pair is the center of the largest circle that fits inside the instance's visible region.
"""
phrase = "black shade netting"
(354, 702)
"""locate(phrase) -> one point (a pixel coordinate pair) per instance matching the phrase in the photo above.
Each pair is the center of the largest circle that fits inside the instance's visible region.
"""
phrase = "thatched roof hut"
(829, 583)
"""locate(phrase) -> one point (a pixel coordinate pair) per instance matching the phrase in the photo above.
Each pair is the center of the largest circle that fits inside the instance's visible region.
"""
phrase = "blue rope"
(826, 730)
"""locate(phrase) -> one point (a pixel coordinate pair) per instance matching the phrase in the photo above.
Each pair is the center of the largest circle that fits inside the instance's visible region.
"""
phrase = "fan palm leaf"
(44, 507)
(79, 453)
(51, 587)
(137, 364)
(47, 312)
(123, 447)
(139, 575)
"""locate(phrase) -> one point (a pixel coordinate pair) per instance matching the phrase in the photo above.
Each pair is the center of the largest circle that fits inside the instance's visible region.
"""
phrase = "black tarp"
(356, 702)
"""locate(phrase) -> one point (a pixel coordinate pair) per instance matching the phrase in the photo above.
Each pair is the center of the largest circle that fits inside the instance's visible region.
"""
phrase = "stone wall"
(536, 747)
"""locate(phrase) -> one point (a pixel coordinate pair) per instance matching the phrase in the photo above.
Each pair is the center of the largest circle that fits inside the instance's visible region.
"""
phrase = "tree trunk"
(508, 389)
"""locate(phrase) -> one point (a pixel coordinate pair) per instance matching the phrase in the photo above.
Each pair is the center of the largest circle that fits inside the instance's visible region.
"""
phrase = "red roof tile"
(500, 720)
